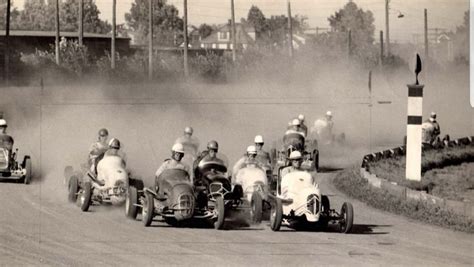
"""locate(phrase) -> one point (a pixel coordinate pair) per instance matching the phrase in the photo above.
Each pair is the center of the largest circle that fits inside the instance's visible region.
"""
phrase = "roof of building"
(53, 34)
(241, 32)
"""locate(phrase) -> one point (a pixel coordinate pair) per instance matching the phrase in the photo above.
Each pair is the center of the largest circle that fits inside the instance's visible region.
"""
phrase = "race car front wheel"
(347, 218)
(276, 215)
(27, 178)
(256, 208)
(72, 189)
(131, 210)
(86, 196)
(219, 208)
(148, 210)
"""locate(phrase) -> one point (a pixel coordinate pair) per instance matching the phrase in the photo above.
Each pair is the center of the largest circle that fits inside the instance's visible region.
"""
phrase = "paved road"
(39, 228)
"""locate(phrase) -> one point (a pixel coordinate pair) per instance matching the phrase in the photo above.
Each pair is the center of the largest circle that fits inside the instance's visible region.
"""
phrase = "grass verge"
(452, 182)
(351, 183)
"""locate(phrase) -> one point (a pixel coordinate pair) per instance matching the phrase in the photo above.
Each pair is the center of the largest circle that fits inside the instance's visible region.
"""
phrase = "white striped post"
(414, 120)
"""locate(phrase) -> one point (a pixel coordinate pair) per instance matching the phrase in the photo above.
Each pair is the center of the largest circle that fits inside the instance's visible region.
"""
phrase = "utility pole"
(56, 43)
(7, 44)
(150, 40)
(81, 22)
(381, 47)
(426, 35)
(186, 71)
(387, 32)
(290, 31)
(234, 37)
(349, 44)
(114, 33)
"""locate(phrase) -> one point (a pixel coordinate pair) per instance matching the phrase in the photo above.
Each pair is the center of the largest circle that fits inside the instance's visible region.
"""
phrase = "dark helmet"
(103, 132)
(114, 143)
(213, 145)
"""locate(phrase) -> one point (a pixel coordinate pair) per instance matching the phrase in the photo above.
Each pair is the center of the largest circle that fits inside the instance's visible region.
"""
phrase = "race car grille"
(215, 187)
(3, 160)
(313, 204)
(185, 205)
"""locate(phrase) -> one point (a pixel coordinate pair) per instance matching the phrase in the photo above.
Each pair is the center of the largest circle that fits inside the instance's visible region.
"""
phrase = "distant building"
(221, 38)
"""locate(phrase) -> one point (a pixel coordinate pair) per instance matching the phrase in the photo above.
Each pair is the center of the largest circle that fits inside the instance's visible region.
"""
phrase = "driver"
(177, 153)
(303, 127)
(190, 143)
(208, 155)
(295, 128)
(249, 158)
(262, 156)
(296, 161)
(6, 141)
(98, 148)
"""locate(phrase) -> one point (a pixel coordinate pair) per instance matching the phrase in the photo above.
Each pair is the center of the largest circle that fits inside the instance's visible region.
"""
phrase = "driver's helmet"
(301, 117)
(295, 155)
(251, 150)
(188, 130)
(178, 148)
(3, 123)
(258, 139)
(213, 145)
(433, 116)
(114, 143)
(103, 132)
(296, 122)
(328, 114)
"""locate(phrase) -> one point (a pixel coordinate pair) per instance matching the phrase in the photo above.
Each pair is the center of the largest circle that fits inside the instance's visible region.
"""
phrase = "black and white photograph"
(236, 133)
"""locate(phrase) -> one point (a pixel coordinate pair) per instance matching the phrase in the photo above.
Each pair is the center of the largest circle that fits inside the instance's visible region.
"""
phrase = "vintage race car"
(11, 169)
(304, 205)
(216, 195)
(110, 185)
(292, 142)
(322, 131)
(171, 198)
(252, 186)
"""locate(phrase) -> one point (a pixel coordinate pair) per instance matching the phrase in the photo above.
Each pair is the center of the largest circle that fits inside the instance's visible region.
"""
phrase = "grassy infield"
(447, 173)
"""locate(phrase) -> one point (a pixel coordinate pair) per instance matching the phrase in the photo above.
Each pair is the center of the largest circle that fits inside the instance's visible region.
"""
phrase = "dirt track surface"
(56, 126)
(40, 231)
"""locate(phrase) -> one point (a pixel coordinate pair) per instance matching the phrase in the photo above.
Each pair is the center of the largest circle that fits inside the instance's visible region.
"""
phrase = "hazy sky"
(441, 13)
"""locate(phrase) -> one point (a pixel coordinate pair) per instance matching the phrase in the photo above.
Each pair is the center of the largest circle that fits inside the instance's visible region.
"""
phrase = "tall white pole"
(414, 120)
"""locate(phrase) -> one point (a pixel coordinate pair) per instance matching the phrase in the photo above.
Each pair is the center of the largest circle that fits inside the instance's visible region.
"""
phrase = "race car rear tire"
(276, 215)
(27, 178)
(220, 209)
(148, 210)
(131, 210)
(256, 208)
(347, 218)
(86, 196)
(73, 188)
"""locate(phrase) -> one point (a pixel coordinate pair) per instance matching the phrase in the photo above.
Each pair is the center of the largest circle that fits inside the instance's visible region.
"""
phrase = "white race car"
(303, 205)
(109, 186)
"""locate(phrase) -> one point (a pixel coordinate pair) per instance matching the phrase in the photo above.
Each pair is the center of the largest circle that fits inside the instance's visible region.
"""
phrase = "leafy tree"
(256, 18)
(205, 30)
(167, 25)
(14, 15)
(39, 15)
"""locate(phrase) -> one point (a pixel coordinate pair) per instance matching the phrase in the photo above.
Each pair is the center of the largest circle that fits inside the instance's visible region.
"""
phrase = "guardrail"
(464, 208)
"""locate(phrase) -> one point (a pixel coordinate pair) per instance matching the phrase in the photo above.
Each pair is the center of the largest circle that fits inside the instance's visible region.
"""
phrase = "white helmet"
(295, 155)
(258, 139)
(329, 113)
(251, 150)
(3, 123)
(301, 117)
(295, 122)
(178, 147)
(188, 130)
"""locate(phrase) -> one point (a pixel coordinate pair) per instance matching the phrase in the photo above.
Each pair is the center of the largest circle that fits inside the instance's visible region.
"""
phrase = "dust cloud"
(56, 125)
